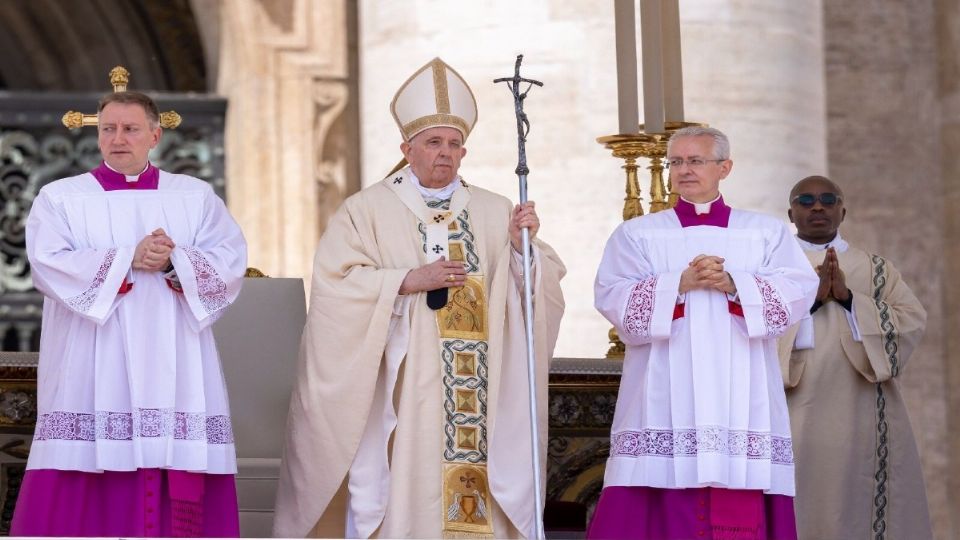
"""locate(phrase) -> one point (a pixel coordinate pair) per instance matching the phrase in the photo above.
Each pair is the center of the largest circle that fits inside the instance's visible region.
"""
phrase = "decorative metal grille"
(583, 396)
(36, 149)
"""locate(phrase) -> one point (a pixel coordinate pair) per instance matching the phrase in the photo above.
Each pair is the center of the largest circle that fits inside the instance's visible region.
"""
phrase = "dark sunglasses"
(807, 200)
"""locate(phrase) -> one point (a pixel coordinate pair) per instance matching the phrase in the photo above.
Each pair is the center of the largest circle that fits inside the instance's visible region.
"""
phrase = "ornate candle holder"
(652, 146)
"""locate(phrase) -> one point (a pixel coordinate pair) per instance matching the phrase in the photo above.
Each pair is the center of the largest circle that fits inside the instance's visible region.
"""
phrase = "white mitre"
(435, 96)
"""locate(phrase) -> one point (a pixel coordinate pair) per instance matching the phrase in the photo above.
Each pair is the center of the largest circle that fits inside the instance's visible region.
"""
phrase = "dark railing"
(583, 396)
(36, 149)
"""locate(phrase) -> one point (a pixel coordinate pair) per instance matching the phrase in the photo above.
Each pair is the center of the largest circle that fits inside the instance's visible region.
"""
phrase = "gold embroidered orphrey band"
(462, 324)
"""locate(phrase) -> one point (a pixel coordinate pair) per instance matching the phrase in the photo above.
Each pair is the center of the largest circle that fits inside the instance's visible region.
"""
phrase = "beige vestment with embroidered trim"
(367, 250)
(837, 392)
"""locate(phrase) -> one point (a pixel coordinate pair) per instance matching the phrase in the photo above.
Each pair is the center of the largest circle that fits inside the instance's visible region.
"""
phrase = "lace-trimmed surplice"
(133, 434)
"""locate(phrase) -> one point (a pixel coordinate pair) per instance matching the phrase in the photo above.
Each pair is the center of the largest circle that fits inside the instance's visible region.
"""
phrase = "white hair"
(721, 145)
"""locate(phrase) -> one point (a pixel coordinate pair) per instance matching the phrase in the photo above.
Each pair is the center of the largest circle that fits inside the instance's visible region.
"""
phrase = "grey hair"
(721, 144)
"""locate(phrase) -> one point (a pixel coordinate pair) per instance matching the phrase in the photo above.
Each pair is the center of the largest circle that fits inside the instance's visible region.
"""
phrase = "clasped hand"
(153, 252)
(833, 282)
(706, 272)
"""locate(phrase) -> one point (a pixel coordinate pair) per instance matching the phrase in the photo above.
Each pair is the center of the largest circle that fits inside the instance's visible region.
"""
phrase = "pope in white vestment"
(698, 294)
(133, 433)
(410, 418)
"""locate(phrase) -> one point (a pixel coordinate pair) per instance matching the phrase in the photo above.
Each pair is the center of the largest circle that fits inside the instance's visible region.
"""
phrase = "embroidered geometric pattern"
(125, 426)
(210, 287)
(465, 431)
(774, 312)
(462, 233)
(639, 312)
(706, 440)
(464, 373)
(459, 419)
(83, 301)
(880, 477)
(890, 340)
(890, 347)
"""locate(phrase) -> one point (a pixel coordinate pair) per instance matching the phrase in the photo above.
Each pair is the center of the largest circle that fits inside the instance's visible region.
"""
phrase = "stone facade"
(286, 68)
(892, 83)
(947, 51)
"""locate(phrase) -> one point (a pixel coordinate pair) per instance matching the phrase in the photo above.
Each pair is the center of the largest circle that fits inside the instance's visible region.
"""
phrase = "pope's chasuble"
(410, 422)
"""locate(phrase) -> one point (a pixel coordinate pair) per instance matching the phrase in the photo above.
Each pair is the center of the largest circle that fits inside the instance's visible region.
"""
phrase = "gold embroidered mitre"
(434, 96)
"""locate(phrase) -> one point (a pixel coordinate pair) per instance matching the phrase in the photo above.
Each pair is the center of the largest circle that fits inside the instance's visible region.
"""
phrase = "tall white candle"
(672, 64)
(628, 107)
(651, 39)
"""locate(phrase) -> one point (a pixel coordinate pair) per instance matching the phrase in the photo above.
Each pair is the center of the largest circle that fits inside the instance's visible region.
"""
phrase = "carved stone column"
(286, 68)
(947, 15)
(888, 130)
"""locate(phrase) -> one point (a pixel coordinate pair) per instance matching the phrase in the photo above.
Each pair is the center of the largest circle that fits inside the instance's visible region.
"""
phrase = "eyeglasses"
(693, 163)
(807, 200)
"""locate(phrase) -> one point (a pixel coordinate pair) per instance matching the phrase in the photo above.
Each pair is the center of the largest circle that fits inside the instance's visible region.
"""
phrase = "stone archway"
(51, 45)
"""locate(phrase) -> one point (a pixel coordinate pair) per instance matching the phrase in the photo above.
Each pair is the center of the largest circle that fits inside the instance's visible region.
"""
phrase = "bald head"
(816, 208)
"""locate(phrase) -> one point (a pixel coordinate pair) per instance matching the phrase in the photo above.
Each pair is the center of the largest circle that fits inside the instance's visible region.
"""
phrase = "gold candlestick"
(628, 148)
(652, 146)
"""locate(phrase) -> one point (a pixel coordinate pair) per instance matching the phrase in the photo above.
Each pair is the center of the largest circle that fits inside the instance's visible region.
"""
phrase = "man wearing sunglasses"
(858, 470)
(700, 443)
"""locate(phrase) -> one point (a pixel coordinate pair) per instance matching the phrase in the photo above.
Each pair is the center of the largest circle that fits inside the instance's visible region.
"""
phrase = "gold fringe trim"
(412, 128)
(459, 534)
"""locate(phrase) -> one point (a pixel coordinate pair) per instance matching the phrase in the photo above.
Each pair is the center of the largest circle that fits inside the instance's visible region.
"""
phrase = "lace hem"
(211, 288)
(709, 440)
(84, 301)
(775, 314)
(639, 312)
(126, 426)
